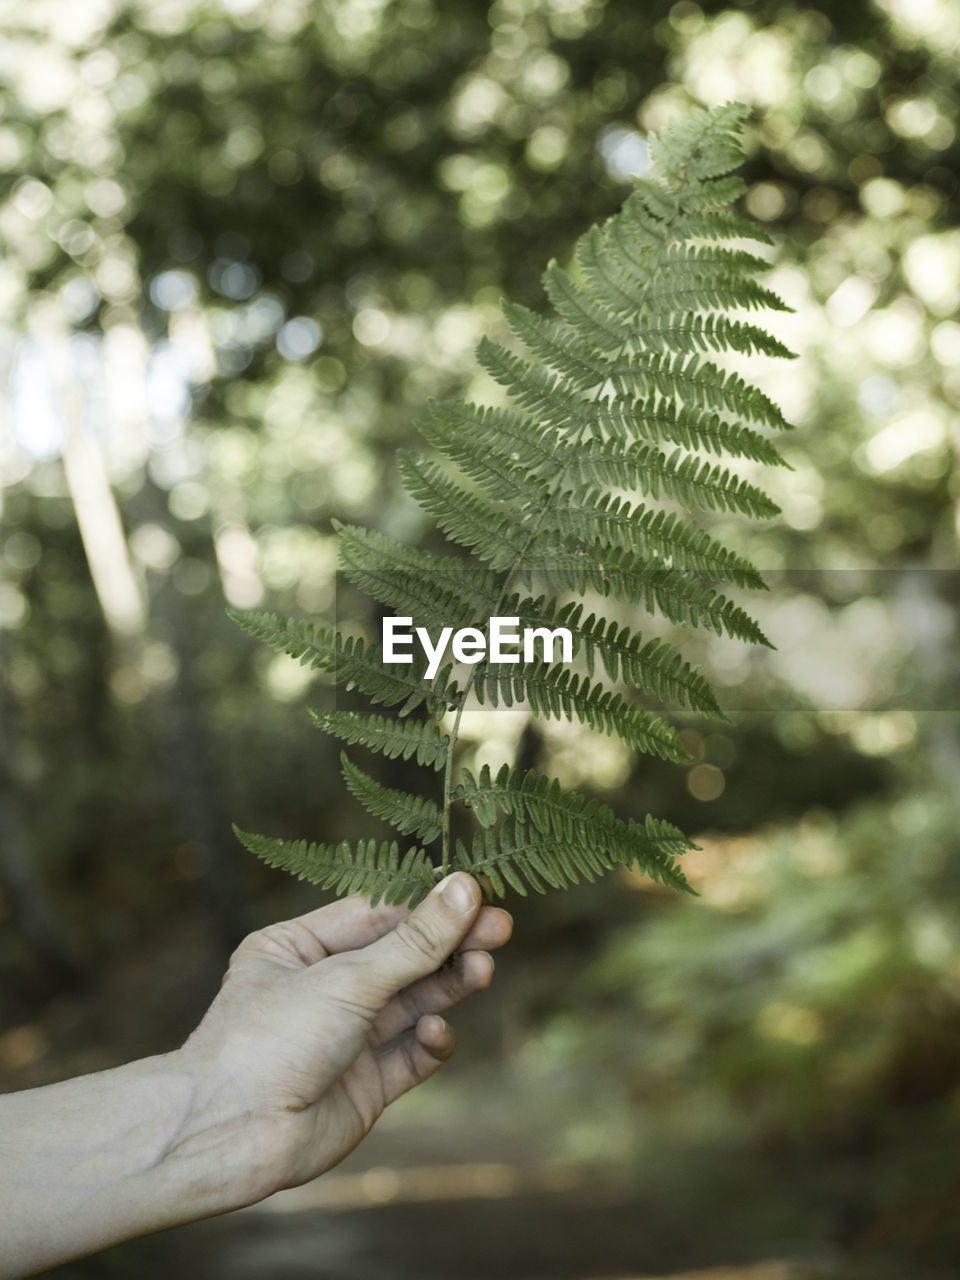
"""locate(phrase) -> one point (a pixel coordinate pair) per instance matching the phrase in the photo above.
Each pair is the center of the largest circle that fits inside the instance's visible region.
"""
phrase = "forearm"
(320, 1023)
(93, 1161)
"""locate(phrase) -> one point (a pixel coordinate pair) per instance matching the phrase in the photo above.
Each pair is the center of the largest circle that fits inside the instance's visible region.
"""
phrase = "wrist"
(120, 1153)
(223, 1153)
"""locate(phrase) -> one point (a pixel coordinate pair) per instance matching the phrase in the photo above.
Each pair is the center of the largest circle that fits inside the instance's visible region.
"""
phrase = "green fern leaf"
(517, 855)
(510, 434)
(658, 419)
(350, 661)
(558, 692)
(652, 666)
(595, 837)
(477, 457)
(437, 590)
(661, 538)
(411, 815)
(377, 870)
(616, 405)
(392, 738)
(489, 531)
(680, 597)
(685, 478)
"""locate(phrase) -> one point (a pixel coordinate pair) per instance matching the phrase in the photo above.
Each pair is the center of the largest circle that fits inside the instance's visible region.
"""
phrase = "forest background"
(243, 242)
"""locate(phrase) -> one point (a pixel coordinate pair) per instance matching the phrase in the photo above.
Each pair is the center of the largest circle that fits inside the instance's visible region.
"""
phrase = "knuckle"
(416, 1067)
(287, 941)
(344, 972)
(347, 985)
(454, 981)
(420, 940)
(294, 938)
(437, 991)
(411, 1004)
(249, 945)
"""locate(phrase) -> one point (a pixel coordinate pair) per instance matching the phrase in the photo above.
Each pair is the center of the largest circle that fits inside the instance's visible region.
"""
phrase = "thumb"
(420, 943)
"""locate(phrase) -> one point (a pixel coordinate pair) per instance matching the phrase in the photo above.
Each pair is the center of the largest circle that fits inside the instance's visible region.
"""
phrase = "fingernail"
(458, 892)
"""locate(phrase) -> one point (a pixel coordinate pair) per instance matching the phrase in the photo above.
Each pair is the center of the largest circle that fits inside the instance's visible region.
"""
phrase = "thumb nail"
(458, 892)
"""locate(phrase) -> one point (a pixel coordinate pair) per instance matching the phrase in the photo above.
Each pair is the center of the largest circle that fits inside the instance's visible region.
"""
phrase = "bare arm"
(320, 1024)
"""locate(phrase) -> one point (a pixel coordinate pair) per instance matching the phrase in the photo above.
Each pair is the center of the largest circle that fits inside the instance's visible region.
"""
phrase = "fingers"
(491, 929)
(472, 972)
(414, 1059)
(352, 923)
(345, 925)
(421, 942)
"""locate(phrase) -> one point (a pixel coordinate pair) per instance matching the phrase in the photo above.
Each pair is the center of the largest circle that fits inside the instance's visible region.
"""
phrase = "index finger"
(351, 923)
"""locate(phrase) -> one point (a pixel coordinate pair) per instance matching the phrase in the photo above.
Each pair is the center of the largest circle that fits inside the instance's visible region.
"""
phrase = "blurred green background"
(243, 241)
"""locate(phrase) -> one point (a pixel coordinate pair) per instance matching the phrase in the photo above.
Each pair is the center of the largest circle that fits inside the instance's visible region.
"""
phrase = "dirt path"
(543, 1235)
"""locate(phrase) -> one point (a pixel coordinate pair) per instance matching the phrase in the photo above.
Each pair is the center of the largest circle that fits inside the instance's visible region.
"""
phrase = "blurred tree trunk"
(183, 738)
(190, 758)
(189, 753)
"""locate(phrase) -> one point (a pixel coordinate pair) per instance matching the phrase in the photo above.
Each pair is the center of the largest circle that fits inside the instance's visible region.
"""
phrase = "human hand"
(324, 1020)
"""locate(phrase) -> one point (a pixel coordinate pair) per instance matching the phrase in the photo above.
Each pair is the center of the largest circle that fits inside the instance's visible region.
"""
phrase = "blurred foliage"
(243, 242)
(801, 1021)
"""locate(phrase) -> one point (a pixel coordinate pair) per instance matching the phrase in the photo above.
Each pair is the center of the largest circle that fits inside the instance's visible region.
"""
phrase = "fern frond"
(608, 320)
(662, 539)
(350, 661)
(626, 280)
(411, 815)
(723, 225)
(682, 477)
(535, 389)
(291, 636)
(652, 666)
(520, 856)
(478, 458)
(598, 323)
(392, 738)
(562, 693)
(659, 419)
(592, 837)
(710, 294)
(559, 348)
(697, 383)
(711, 332)
(704, 144)
(369, 868)
(472, 520)
(704, 261)
(370, 549)
(522, 439)
(436, 590)
(679, 596)
(617, 404)
(513, 435)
